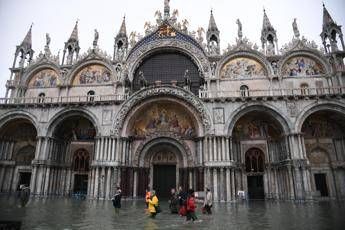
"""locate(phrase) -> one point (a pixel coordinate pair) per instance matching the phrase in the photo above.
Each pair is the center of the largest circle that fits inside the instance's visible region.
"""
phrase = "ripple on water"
(62, 213)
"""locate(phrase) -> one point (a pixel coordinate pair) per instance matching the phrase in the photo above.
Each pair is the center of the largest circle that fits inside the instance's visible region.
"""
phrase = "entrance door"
(80, 184)
(256, 187)
(164, 179)
(321, 184)
(24, 178)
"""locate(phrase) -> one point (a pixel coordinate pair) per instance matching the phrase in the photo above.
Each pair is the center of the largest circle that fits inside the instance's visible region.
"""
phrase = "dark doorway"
(164, 179)
(80, 184)
(256, 187)
(24, 178)
(321, 184)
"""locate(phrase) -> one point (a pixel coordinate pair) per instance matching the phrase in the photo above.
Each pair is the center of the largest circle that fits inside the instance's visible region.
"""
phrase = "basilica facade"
(170, 109)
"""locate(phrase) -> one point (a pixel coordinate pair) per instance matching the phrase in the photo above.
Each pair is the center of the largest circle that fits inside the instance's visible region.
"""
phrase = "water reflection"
(61, 213)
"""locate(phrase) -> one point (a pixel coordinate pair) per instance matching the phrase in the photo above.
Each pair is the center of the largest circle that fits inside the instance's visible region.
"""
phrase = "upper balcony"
(247, 94)
(41, 101)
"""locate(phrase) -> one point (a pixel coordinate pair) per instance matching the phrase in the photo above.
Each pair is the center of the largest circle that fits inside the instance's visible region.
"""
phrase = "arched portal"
(18, 138)
(324, 141)
(165, 163)
(258, 140)
(72, 144)
(255, 164)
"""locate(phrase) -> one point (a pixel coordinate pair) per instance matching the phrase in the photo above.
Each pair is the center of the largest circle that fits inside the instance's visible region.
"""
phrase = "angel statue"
(184, 25)
(200, 37)
(148, 28)
(158, 16)
(132, 38)
(239, 32)
(295, 28)
(47, 39)
(174, 16)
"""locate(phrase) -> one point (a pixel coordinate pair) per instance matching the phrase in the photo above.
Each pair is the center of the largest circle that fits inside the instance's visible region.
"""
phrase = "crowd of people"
(181, 202)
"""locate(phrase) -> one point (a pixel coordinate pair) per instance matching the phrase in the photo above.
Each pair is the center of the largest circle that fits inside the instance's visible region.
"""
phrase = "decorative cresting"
(244, 64)
(303, 63)
(161, 91)
(190, 49)
(155, 139)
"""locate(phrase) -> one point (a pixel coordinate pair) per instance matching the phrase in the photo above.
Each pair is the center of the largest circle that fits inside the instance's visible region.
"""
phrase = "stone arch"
(62, 115)
(145, 146)
(247, 54)
(196, 54)
(175, 93)
(180, 108)
(246, 108)
(37, 68)
(73, 73)
(19, 114)
(304, 53)
(308, 110)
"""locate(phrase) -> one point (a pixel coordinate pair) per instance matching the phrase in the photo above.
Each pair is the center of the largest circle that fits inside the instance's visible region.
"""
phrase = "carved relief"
(93, 74)
(292, 108)
(318, 156)
(107, 117)
(164, 158)
(242, 67)
(218, 115)
(44, 78)
(162, 117)
(302, 66)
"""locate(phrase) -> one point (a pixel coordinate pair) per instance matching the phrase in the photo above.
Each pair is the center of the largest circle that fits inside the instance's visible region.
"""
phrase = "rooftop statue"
(295, 28)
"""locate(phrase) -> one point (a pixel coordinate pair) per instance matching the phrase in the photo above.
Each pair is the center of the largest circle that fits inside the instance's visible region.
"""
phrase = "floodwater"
(63, 213)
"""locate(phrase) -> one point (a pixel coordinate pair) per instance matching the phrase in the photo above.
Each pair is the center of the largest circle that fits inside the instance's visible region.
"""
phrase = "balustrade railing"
(62, 100)
(272, 92)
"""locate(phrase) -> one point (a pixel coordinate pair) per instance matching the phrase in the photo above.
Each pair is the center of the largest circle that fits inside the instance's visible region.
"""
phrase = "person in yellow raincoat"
(153, 201)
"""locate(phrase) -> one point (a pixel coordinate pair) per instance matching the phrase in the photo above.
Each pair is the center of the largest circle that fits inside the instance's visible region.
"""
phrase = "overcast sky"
(58, 18)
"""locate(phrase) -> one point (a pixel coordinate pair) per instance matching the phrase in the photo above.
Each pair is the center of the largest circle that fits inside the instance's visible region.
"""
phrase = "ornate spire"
(266, 22)
(74, 34)
(327, 19)
(123, 30)
(27, 42)
(212, 23)
(269, 38)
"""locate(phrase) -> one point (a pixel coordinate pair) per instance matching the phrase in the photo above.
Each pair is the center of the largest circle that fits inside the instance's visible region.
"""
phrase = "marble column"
(96, 193)
(233, 184)
(108, 185)
(135, 183)
(101, 154)
(118, 147)
(205, 150)
(210, 147)
(227, 152)
(2, 174)
(228, 186)
(190, 177)
(222, 185)
(102, 182)
(215, 185)
(46, 182)
(97, 148)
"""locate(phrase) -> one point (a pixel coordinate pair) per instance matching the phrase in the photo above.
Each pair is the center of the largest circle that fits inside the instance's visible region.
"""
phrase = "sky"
(58, 18)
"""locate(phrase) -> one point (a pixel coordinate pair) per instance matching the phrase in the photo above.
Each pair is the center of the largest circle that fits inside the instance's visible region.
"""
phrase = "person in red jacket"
(191, 207)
